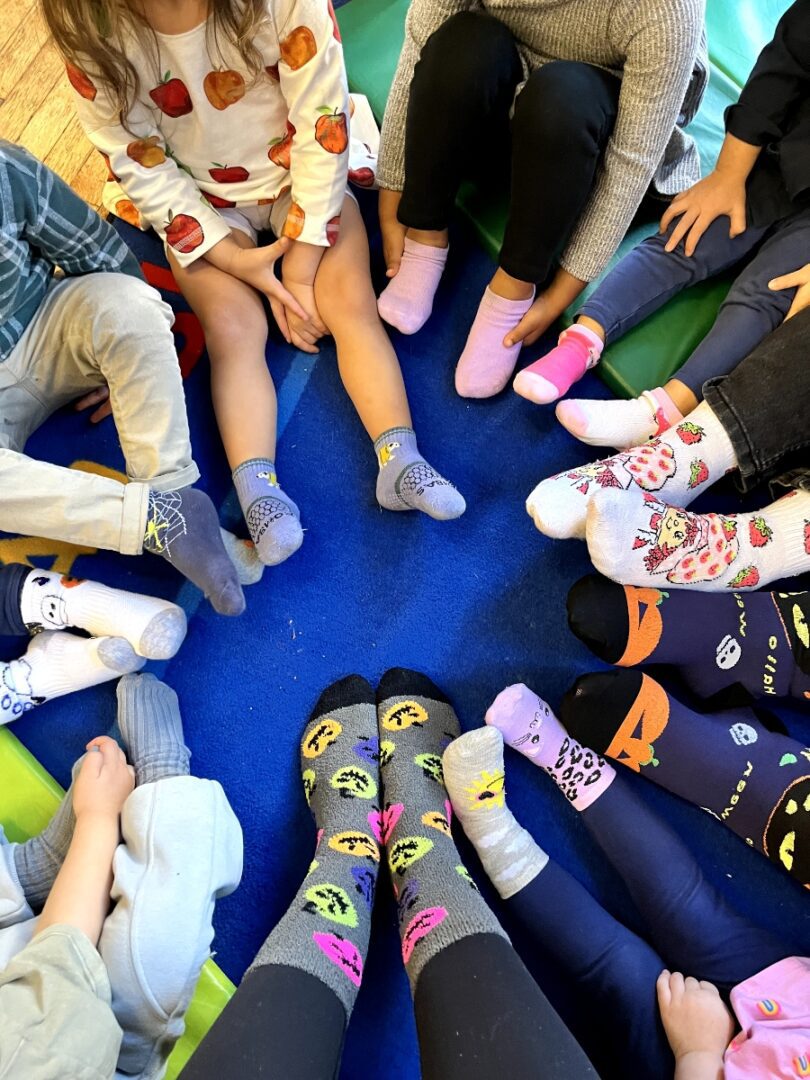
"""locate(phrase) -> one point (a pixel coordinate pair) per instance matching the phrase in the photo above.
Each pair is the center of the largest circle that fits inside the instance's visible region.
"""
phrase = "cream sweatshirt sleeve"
(167, 197)
(423, 19)
(313, 82)
(661, 45)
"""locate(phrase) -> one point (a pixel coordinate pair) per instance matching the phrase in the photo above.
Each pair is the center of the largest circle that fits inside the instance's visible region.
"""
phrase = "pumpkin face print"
(787, 834)
(404, 715)
(319, 737)
(354, 783)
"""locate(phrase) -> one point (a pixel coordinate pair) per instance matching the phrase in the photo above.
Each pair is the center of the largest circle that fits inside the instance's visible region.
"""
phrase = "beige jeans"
(101, 328)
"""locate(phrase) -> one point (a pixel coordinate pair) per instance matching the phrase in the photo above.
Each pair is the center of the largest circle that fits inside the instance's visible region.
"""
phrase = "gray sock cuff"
(405, 436)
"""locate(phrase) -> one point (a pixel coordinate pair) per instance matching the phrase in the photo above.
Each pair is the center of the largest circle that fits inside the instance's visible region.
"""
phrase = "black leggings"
(458, 127)
(479, 1014)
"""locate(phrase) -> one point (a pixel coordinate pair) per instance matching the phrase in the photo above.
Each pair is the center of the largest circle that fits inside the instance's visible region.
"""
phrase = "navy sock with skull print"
(759, 640)
(755, 781)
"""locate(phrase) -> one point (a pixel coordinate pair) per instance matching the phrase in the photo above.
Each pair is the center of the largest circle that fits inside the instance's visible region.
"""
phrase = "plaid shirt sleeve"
(54, 220)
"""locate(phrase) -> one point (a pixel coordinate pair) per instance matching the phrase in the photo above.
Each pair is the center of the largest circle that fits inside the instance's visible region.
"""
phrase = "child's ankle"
(429, 237)
(587, 323)
(510, 288)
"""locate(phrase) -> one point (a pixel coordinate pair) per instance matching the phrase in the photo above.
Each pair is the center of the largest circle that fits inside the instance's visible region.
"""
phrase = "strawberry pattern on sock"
(636, 539)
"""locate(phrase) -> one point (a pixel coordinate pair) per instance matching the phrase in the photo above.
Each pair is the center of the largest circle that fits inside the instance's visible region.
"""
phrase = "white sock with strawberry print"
(636, 539)
(678, 466)
(619, 423)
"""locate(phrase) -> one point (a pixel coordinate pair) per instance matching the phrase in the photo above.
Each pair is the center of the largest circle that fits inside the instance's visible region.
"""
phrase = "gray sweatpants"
(101, 328)
(181, 850)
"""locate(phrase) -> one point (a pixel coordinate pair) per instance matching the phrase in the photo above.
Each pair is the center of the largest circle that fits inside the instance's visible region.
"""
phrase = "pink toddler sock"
(529, 726)
(407, 300)
(553, 375)
(486, 364)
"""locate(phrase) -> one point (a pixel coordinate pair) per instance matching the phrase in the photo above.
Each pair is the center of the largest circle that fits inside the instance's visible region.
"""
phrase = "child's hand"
(304, 332)
(694, 1016)
(257, 267)
(393, 231)
(710, 198)
(101, 397)
(798, 280)
(104, 781)
(534, 323)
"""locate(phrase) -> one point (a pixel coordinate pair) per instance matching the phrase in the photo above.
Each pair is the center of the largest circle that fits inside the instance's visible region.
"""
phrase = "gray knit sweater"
(656, 47)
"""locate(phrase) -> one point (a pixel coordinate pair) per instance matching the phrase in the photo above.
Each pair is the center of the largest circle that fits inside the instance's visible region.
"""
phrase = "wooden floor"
(36, 101)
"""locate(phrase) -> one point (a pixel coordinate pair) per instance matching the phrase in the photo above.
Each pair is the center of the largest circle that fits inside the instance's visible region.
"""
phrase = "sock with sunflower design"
(326, 929)
(439, 904)
(474, 775)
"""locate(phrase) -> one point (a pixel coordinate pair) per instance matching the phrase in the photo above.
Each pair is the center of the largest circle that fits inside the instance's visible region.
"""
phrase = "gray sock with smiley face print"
(326, 929)
(438, 900)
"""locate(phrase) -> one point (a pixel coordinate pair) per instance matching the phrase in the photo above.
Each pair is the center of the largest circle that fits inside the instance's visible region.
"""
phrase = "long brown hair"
(90, 34)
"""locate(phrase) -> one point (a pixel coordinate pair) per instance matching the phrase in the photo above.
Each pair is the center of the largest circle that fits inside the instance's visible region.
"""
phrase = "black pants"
(764, 405)
(11, 583)
(479, 1015)
(458, 127)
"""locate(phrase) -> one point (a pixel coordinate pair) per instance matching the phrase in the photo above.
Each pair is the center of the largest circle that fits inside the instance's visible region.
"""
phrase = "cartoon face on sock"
(331, 902)
(310, 782)
(686, 547)
(634, 743)
(354, 783)
(404, 715)
(728, 653)
(787, 834)
(319, 737)
(405, 852)
(431, 766)
(743, 734)
(355, 843)
(343, 954)
(601, 474)
(419, 927)
(364, 882)
(531, 741)
(54, 610)
(486, 791)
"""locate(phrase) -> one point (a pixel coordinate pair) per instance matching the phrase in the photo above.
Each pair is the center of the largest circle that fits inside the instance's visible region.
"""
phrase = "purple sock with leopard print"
(528, 725)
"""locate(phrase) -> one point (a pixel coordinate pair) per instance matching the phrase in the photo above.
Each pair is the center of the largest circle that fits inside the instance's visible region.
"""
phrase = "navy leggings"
(691, 928)
(649, 276)
(12, 578)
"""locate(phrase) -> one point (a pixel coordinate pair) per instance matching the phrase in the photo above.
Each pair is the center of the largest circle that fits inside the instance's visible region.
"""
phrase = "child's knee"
(129, 304)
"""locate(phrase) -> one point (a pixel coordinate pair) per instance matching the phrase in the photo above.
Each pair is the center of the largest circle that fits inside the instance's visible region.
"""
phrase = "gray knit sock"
(271, 515)
(326, 929)
(40, 859)
(152, 729)
(407, 482)
(438, 901)
(183, 528)
(474, 775)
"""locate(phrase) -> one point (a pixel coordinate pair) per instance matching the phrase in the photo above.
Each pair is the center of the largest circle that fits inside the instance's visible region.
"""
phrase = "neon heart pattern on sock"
(383, 822)
(419, 927)
(343, 955)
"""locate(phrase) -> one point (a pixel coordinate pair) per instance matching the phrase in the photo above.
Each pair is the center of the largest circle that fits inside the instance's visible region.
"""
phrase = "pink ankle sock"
(529, 726)
(666, 411)
(553, 375)
(407, 300)
(486, 364)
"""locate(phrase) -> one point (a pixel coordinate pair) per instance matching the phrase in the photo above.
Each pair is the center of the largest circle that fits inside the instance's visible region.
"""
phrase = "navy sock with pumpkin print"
(439, 904)
(755, 781)
(760, 641)
(325, 931)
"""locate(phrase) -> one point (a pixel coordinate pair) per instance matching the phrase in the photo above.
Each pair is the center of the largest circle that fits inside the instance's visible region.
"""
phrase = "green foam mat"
(647, 356)
(28, 798)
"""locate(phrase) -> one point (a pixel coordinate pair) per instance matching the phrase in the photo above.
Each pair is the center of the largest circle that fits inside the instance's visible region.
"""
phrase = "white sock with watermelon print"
(619, 423)
(636, 539)
(678, 466)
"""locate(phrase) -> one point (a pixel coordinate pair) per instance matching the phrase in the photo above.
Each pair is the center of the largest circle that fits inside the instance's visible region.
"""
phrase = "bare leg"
(235, 327)
(683, 397)
(371, 374)
(366, 359)
(432, 237)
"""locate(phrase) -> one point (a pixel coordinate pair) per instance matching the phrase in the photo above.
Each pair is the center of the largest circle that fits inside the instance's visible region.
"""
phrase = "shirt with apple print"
(205, 135)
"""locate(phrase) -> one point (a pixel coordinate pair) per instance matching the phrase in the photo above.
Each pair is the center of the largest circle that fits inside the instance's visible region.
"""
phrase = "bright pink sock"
(529, 726)
(486, 364)
(553, 375)
(407, 300)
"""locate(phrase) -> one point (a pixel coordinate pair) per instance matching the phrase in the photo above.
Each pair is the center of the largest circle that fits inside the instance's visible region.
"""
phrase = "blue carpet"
(476, 604)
